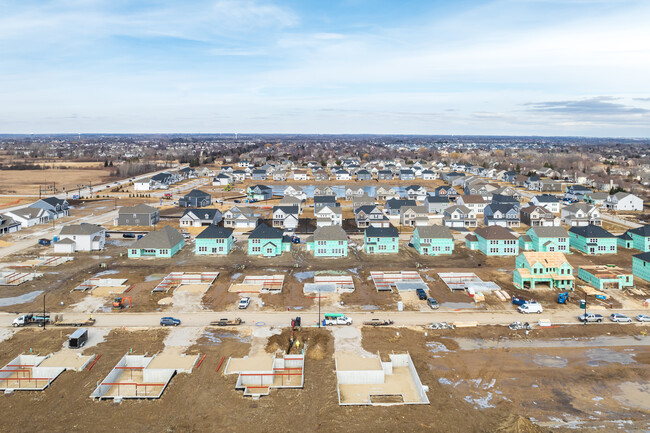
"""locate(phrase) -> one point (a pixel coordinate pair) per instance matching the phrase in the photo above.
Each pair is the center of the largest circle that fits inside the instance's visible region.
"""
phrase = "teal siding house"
(640, 238)
(379, 240)
(605, 277)
(535, 270)
(641, 266)
(548, 239)
(267, 242)
(592, 240)
(496, 241)
(328, 241)
(624, 240)
(433, 240)
(214, 240)
(163, 243)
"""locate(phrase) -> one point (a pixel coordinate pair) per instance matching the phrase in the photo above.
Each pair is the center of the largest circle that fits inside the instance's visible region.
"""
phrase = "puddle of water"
(153, 277)
(22, 299)
(550, 361)
(354, 270)
(480, 402)
(458, 305)
(598, 356)
(300, 276)
(235, 276)
(444, 381)
(607, 341)
(216, 337)
(436, 347)
(109, 272)
(369, 307)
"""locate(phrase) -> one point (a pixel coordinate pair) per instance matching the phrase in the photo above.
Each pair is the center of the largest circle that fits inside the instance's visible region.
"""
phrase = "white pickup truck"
(338, 320)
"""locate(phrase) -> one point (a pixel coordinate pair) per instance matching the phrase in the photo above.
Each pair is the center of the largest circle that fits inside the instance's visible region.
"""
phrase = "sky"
(499, 67)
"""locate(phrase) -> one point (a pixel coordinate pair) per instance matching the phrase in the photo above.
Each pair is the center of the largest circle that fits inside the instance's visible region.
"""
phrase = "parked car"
(128, 235)
(530, 307)
(169, 321)
(244, 303)
(433, 303)
(643, 318)
(619, 318)
(422, 295)
(590, 317)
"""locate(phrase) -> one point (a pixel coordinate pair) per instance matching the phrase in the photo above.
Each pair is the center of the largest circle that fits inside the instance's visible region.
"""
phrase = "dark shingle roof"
(641, 231)
(591, 231)
(263, 231)
(197, 193)
(167, 237)
(643, 256)
(214, 232)
(382, 232)
(434, 232)
(494, 232)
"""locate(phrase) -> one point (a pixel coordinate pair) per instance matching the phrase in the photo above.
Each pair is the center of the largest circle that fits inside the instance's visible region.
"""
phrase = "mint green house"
(433, 240)
(641, 266)
(379, 240)
(214, 240)
(640, 238)
(267, 242)
(496, 241)
(328, 241)
(163, 243)
(550, 270)
(605, 277)
(548, 239)
(592, 239)
(624, 240)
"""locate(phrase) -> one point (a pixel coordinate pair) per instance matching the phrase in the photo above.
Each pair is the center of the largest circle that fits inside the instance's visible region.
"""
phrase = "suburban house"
(329, 216)
(394, 205)
(289, 200)
(605, 277)
(370, 216)
(504, 215)
(187, 173)
(548, 239)
(286, 216)
(550, 185)
(505, 199)
(239, 175)
(8, 225)
(221, 180)
(163, 243)
(459, 216)
(624, 240)
(496, 241)
(321, 201)
(597, 198)
(548, 201)
(406, 174)
(385, 193)
(446, 191)
(641, 266)
(416, 192)
(413, 216)
(200, 217)
(533, 183)
(342, 174)
(259, 192)
(138, 215)
(320, 175)
(324, 190)
(640, 238)
(267, 241)
(294, 191)
(163, 180)
(535, 270)
(592, 239)
(146, 184)
(55, 207)
(384, 175)
(474, 202)
(80, 237)
(258, 174)
(299, 175)
(436, 205)
(195, 198)
(580, 215)
(362, 200)
(429, 175)
(538, 216)
(433, 240)
(381, 240)
(240, 217)
(328, 241)
(28, 216)
(281, 176)
(214, 240)
(507, 190)
(352, 192)
(577, 192)
(364, 175)
(623, 201)
(509, 176)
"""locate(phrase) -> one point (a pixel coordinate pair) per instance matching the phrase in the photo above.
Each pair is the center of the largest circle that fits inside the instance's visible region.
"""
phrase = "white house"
(581, 214)
(29, 216)
(286, 216)
(624, 201)
(221, 180)
(200, 217)
(143, 184)
(80, 237)
(329, 216)
(547, 201)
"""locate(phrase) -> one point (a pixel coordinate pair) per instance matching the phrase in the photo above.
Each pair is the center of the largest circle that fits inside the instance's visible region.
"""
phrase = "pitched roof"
(641, 231)
(437, 199)
(643, 256)
(495, 232)
(591, 231)
(550, 232)
(165, 238)
(531, 209)
(324, 199)
(547, 198)
(263, 231)
(330, 233)
(288, 209)
(381, 232)
(202, 213)
(197, 193)
(473, 198)
(434, 232)
(548, 259)
(502, 207)
(215, 232)
(139, 208)
(81, 229)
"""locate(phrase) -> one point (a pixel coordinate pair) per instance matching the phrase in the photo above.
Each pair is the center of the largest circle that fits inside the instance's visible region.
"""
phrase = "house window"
(256, 249)
(214, 250)
(322, 243)
(203, 249)
(256, 241)
(134, 252)
(164, 252)
(382, 247)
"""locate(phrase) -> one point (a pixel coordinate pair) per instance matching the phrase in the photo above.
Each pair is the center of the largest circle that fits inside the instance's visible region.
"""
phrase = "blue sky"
(525, 67)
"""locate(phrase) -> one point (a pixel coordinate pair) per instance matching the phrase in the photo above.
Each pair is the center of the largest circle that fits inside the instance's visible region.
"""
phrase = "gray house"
(394, 205)
(200, 217)
(321, 201)
(504, 215)
(259, 175)
(364, 175)
(195, 198)
(385, 175)
(55, 207)
(138, 215)
(406, 174)
(437, 205)
(8, 225)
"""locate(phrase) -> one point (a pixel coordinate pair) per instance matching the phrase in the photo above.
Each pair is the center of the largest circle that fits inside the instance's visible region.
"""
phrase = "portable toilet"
(400, 306)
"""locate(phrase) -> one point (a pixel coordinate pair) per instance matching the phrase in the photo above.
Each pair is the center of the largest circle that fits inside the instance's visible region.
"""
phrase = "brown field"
(27, 182)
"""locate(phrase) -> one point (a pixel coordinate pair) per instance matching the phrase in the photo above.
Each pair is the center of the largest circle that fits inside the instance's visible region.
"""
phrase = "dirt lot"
(27, 181)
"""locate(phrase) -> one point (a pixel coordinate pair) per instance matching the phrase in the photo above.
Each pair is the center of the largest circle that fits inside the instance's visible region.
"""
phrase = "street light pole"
(44, 321)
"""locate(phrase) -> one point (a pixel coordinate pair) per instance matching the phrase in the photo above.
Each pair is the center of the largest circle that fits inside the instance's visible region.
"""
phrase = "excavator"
(121, 303)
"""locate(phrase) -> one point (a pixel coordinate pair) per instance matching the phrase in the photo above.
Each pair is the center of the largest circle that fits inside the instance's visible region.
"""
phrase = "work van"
(531, 307)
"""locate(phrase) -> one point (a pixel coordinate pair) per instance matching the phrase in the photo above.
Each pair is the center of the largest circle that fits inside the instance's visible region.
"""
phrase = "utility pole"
(319, 307)
(44, 321)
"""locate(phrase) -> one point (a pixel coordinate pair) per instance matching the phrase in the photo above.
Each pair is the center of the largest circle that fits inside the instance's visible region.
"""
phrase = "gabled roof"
(547, 198)
(547, 259)
(579, 206)
(215, 232)
(330, 233)
(641, 231)
(138, 208)
(643, 256)
(263, 231)
(434, 232)
(381, 232)
(437, 199)
(367, 208)
(396, 203)
(495, 232)
(81, 229)
(53, 201)
(625, 236)
(473, 198)
(197, 193)
(286, 209)
(502, 207)
(591, 231)
(459, 207)
(324, 199)
(202, 213)
(334, 209)
(530, 209)
(501, 198)
(165, 238)
(550, 232)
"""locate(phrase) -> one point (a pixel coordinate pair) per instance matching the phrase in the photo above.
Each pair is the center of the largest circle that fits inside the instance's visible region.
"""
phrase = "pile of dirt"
(317, 341)
(517, 424)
